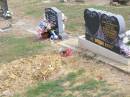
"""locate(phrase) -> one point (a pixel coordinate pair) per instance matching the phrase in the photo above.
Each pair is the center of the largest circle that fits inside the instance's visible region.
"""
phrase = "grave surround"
(99, 50)
(102, 36)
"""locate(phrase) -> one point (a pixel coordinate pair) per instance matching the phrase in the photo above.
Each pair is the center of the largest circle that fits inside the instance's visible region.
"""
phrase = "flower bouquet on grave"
(125, 44)
(52, 32)
(42, 29)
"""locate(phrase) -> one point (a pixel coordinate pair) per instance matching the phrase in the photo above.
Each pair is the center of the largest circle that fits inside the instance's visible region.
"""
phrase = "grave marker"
(104, 28)
(92, 22)
(54, 15)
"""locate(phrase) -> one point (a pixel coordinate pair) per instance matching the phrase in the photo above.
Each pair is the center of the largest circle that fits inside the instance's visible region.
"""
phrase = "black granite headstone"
(104, 28)
(110, 27)
(92, 21)
(51, 16)
(54, 15)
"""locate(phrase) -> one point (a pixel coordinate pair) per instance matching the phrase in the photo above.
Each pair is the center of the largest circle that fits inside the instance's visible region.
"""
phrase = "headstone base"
(63, 36)
(85, 44)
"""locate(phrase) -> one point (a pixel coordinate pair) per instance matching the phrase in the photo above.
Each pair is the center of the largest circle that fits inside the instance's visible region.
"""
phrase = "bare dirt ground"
(18, 74)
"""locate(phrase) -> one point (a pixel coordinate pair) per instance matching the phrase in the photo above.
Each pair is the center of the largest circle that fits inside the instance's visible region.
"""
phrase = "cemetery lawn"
(85, 77)
(15, 47)
(73, 84)
(74, 12)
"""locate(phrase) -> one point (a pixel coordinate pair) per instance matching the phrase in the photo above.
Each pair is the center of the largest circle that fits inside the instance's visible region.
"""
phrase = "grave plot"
(56, 17)
(52, 25)
(104, 35)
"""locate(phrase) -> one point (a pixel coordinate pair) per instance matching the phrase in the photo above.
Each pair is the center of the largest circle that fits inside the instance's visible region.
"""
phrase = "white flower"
(125, 40)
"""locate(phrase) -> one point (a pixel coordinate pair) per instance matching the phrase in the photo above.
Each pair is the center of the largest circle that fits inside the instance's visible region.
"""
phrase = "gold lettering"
(99, 42)
(109, 30)
(108, 46)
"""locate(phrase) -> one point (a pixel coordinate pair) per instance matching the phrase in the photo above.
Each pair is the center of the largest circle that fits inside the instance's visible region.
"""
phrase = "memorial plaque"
(104, 28)
(54, 16)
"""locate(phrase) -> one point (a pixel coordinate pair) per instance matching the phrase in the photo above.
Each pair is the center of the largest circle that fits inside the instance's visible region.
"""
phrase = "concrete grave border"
(74, 43)
(103, 37)
(87, 45)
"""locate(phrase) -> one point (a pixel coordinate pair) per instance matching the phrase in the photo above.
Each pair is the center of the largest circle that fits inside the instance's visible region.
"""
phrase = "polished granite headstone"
(104, 28)
(92, 20)
(110, 28)
(54, 15)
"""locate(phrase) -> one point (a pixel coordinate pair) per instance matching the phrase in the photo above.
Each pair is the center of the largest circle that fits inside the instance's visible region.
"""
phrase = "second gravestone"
(54, 15)
(104, 28)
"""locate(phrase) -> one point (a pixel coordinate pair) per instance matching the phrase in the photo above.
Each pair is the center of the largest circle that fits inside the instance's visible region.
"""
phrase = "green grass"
(13, 47)
(74, 12)
(56, 88)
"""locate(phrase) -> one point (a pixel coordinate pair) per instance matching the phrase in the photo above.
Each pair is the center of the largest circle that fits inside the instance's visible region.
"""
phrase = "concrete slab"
(85, 44)
(82, 45)
(70, 43)
(106, 55)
